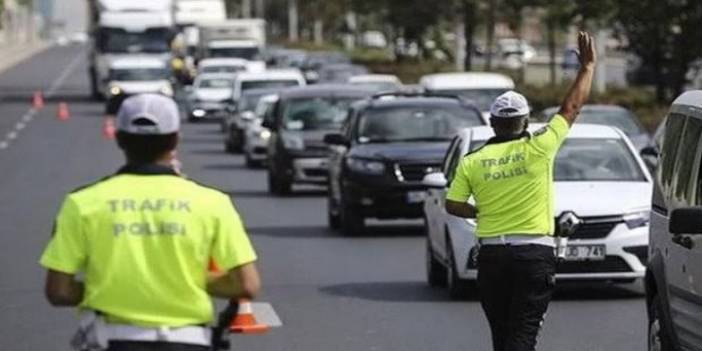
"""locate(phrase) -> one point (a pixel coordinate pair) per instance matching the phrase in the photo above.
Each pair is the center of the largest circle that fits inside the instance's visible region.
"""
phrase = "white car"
(139, 75)
(273, 78)
(257, 136)
(209, 96)
(599, 177)
(229, 65)
(482, 88)
(379, 82)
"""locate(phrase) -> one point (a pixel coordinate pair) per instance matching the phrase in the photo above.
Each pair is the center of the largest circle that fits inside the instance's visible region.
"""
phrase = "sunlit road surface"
(331, 292)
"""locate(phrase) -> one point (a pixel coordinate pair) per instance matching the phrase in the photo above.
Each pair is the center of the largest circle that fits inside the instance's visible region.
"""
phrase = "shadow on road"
(293, 232)
(596, 291)
(409, 291)
(225, 167)
(201, 140)
(259, 194)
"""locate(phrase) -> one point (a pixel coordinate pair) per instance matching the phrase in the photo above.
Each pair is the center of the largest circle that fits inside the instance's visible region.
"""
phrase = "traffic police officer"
(143, 239)
(511, 181)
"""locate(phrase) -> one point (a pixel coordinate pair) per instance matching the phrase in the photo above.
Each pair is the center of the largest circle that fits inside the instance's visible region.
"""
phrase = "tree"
(665, 35)
(558, 16)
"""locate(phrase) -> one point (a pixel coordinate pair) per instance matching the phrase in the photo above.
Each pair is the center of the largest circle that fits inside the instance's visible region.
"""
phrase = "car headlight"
(264, 134)
(166, 90)
(637, 219)
(293, 142)
(115, 90)
(199, 113)
(365, 166)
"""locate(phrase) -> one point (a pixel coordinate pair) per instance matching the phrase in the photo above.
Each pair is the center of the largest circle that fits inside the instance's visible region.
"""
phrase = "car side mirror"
(687, 220)
(435, 180)
(336, 139)
(248, 116)
(649, 151)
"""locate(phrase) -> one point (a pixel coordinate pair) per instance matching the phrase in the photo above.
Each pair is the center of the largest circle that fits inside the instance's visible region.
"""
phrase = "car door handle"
(684, 241)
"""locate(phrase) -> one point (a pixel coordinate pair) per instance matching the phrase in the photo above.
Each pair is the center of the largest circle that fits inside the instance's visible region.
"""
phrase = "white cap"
(510, 105)
(148, 114)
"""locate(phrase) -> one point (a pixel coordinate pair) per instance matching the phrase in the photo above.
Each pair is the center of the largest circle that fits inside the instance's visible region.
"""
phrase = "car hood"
(310, 138)
(141, 87)
(209, 94)
(588, 199)
(411, 151)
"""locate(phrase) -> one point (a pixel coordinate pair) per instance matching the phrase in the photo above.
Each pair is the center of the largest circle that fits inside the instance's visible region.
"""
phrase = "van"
(481, 88)
(674, 270)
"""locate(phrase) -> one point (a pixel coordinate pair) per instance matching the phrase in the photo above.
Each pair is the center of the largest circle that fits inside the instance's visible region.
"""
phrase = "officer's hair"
(509, 126)
(146, 148)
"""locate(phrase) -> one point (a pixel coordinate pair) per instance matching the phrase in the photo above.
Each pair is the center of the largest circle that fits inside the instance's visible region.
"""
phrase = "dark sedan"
(384, 151)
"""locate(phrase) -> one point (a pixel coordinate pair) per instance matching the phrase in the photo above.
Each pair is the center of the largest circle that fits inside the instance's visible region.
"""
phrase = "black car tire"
(277, 185)
(228, 147)
(458, 288)
(658, 336)
(436, 272)
(236, 139)
(250, 162)
(333, 219)
(352, 222)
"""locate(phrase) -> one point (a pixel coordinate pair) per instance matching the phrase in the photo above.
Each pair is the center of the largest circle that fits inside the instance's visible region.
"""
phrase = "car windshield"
(216, 83)
(415, 123)
(139, 74)
(248, 102)
(251, 54)
(593, 160)
(112, 40)
(319, 113)
(268, 84)
(482, 98)
(223, 69)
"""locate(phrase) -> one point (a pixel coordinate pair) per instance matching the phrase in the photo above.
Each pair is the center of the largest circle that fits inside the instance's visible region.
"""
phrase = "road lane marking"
(32, 112)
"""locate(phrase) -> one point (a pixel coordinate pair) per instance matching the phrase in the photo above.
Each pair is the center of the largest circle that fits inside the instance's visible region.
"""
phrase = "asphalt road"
(332, 292)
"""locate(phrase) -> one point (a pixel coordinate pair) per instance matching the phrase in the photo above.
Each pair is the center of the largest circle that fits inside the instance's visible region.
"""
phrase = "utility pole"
(246, 8)
(601, 69)
(293, 34)
(260, 9)
(460, 34)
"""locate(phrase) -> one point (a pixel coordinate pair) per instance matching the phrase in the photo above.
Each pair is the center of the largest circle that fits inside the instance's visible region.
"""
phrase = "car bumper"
(256, 148)
(198, 113)
(310, 170)
(624, 261)
(386, 201)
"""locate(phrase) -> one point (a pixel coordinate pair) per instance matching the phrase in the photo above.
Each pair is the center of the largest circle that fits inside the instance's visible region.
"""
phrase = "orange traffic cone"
(245, 322)
(38, 100)
(63, 114)
(108, 129)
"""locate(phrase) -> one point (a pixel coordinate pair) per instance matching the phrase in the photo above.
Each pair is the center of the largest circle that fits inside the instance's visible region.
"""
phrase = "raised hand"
(587, 54)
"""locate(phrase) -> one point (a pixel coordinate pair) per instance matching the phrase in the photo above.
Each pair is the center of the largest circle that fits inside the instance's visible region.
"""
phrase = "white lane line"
(32, 112)
(56, 85)
(265, 314)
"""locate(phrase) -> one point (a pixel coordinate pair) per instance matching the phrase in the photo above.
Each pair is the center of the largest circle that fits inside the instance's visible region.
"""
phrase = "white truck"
(123, 28)
(189, 14)
(236, 38)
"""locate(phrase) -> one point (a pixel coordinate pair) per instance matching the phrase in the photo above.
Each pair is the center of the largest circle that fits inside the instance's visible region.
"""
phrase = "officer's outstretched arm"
(461, 209)
(241, 282)
(62, 289)
(580, 90)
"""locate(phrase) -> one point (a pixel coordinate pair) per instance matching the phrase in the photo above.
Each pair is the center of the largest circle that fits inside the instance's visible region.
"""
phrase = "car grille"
(596, 227)
(415, 172)
(611, 264)
(316, 172)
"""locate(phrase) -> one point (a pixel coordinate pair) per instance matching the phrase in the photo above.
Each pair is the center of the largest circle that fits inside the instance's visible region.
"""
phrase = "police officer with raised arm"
(143, 239)
(511, 182)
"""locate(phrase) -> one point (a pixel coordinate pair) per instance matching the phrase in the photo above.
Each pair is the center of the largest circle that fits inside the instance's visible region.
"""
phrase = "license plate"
(414, 197)
(585, 253)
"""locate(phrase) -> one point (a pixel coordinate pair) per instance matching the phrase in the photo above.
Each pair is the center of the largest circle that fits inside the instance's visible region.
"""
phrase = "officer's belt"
(184, 335)
(517, 240)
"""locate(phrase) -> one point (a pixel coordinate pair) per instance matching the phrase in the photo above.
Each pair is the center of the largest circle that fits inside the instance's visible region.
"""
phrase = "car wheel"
(237, 141)
(228, 146)
(333, 219)
(436, 272)
(658, 338)
(458, 288)
(250, 162)
(352, 222)
(277, 185)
